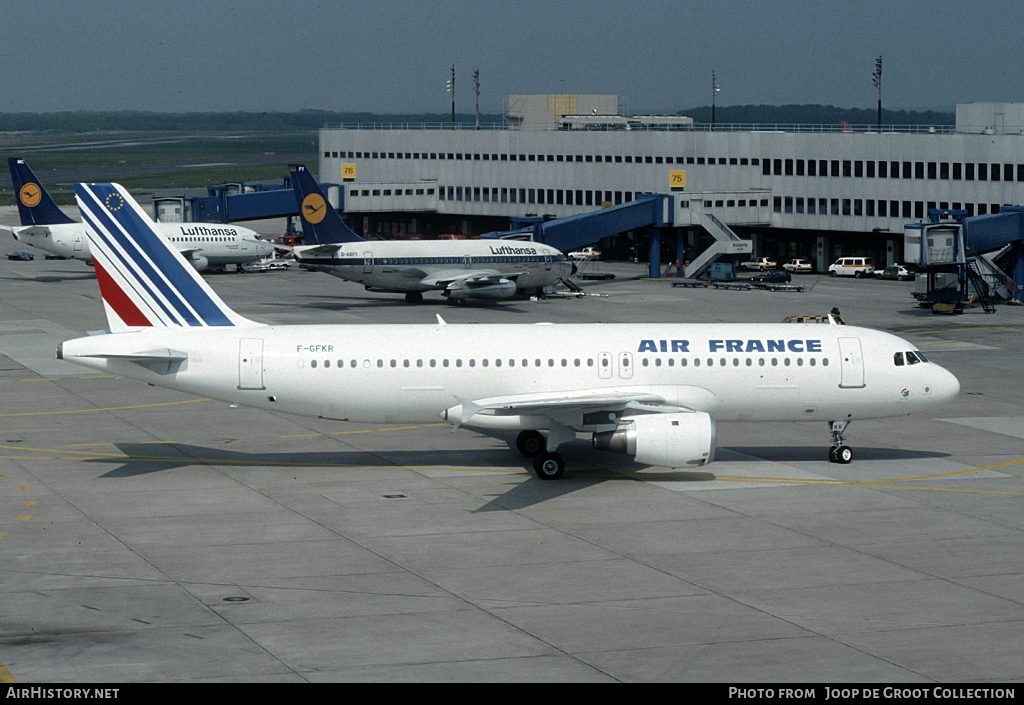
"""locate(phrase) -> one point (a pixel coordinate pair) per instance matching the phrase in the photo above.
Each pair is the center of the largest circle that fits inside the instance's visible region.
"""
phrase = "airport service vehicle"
(795, 266)
(23, 256)
(895, 271)
(759, 264)
(832, 318)
(852, 267)
(585, 253)
(772, 276)
(206, 246)
(459, 269)
(654, 391)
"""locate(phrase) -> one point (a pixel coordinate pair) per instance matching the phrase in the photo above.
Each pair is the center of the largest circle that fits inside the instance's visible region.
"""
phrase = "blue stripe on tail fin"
(34, 204)
(321, 224)
(145, 280)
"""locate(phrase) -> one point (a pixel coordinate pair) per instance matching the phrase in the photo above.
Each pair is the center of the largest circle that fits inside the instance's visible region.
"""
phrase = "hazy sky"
(395, 55)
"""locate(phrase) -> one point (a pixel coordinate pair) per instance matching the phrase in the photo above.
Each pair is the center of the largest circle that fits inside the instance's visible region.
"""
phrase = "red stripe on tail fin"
(114, 297)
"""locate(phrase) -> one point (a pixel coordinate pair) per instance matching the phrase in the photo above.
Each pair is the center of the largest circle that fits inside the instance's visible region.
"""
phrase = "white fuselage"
(210, 245)
(416, 266)
(413, 373)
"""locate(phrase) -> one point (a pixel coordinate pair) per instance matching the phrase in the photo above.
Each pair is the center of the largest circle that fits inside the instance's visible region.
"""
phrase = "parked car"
(54, 256)
(759, 264)
(798, 265)
(585, 253)
(896, 271)
(23, 256)
(852, 267)
(772, 276)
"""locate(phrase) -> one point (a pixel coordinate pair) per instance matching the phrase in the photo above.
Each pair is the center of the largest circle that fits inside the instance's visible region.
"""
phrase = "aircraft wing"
(470, 278)
(573, 408)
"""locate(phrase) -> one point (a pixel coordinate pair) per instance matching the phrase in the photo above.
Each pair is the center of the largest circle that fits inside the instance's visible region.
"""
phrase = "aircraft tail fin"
(321, 224)
(144, 280)
(34, 204)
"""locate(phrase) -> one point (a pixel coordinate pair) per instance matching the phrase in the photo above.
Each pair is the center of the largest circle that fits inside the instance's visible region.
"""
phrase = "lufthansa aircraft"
(459, 269)
(206, 246)
(651, 390)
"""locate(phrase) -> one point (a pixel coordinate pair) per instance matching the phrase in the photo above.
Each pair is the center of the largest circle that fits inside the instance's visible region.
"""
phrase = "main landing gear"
(839, 452)
(547, 465)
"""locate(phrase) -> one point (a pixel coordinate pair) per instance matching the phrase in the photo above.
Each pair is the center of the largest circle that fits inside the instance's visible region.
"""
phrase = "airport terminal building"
(795, 190)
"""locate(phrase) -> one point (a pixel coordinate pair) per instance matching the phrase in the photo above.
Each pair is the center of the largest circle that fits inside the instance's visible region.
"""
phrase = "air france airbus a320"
(206, 246)
(651, 390)
(459, 269)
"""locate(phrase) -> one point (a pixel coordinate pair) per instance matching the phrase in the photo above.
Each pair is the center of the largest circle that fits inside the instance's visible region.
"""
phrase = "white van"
(852, 267)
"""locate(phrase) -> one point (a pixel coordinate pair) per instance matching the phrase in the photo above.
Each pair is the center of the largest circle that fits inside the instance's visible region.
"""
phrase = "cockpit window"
(912, 358)
(898, 359)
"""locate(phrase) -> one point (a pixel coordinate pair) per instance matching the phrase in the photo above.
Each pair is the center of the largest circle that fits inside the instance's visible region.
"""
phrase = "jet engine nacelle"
(198, 262)
(499, 290)
(670, 440)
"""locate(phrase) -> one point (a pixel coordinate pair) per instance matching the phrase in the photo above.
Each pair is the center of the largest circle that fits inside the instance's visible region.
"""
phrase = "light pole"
(876, 78)
(451, 89)
(714, 90)
(476, 85)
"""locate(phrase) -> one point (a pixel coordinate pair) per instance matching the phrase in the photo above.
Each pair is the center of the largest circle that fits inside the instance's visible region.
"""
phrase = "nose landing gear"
(839, 452)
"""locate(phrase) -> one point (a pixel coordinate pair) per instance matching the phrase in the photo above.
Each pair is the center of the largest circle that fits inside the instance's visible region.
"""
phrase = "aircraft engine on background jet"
(672, 440)
(199, 262)
(501, 289)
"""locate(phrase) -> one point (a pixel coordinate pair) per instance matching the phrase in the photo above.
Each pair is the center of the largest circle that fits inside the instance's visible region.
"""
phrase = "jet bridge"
(967, 247)
(227, 203)
(652, 211)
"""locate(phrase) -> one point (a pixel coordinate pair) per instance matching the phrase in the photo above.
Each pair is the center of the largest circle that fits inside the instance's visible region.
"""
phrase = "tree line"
(142, 121)
(817, 115)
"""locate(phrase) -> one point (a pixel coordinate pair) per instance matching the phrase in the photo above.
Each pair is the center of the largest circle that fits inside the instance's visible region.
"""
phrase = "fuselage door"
(604, 365)
(626, 365)
(250, 363)
(367, 262)
(78, 241)
(852, 363)
(467, 261)
(547, 261)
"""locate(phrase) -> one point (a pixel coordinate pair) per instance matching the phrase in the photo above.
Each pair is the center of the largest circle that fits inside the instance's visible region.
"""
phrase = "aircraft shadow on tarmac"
(334, 303)
(799, 454)
(57, 277)
(146, 458)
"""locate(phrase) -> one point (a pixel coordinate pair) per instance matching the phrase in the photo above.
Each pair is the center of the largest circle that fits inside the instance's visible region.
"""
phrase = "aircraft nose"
(947, 387)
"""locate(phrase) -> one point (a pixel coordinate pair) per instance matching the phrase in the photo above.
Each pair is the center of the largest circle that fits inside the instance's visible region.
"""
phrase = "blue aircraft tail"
(34, 204)
(321, 224)
(144, 280)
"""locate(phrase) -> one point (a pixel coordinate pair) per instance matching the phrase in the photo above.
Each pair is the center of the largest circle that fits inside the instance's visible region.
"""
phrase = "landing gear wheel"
(413, 297)
(530, 443)
(840, 454)
(549, 466)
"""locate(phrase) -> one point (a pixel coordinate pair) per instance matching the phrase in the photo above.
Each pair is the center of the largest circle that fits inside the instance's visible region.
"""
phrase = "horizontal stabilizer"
(164, 354)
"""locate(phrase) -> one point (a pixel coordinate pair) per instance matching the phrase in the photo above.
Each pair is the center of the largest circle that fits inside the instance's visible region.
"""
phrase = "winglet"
(144, 280)
(321, 224)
